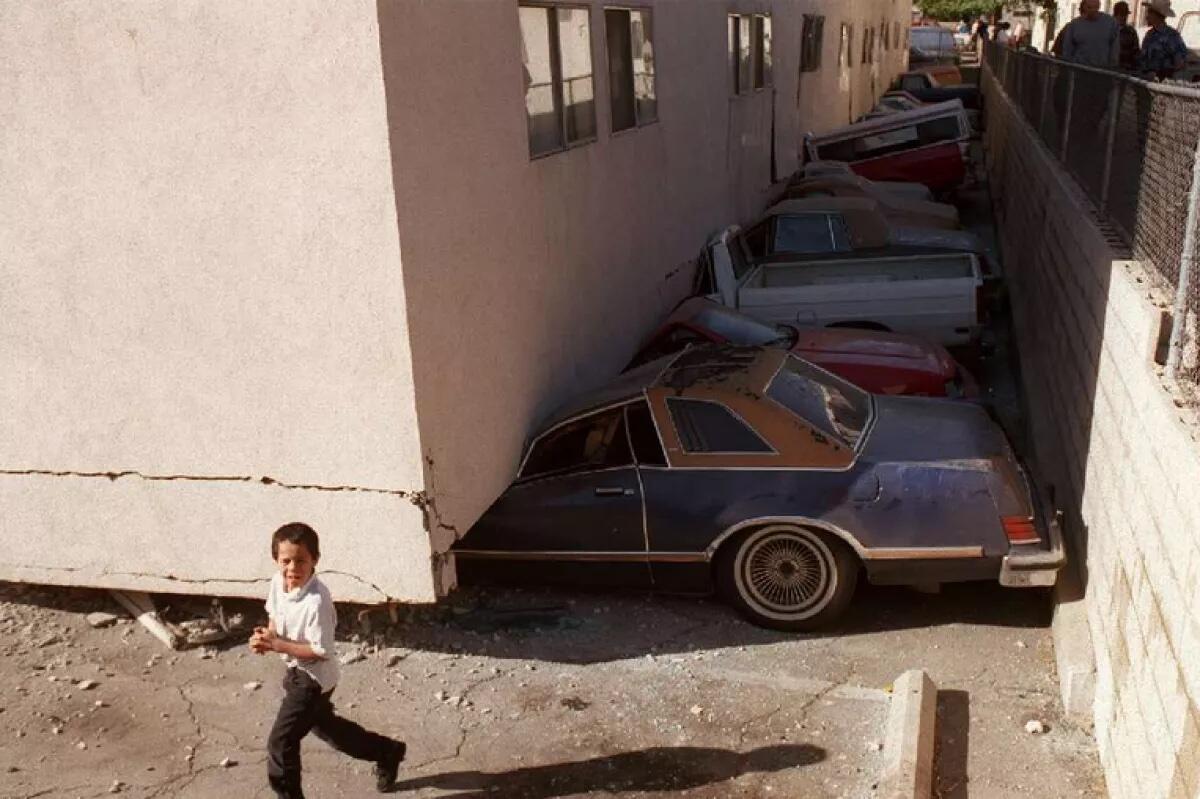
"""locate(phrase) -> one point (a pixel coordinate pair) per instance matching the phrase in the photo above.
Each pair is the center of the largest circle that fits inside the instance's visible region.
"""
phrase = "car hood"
(910, 429)
(935, 237)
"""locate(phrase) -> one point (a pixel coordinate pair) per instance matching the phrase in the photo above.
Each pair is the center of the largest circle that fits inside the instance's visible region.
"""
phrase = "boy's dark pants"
(306, 708)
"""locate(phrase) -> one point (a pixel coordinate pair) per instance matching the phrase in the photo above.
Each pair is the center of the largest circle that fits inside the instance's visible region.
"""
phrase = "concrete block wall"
(1124, 465)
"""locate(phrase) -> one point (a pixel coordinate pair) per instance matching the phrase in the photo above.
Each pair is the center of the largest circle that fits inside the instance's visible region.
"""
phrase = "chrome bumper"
(1032, 565)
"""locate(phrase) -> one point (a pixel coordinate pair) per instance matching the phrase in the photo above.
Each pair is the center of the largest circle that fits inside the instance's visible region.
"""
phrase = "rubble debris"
(1035, 727)
(141, 607)
(353, 656)
(116, 787)
(101, 619)
(253, 685)
(228, 762)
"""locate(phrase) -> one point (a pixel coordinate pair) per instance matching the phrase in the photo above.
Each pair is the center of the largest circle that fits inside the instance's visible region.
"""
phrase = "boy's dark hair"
(297, 533)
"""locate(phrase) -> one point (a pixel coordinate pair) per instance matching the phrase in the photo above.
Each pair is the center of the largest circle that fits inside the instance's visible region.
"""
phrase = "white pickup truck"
(935, 296)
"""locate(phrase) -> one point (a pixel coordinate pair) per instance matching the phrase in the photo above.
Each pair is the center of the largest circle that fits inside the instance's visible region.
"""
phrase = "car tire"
(786, 577)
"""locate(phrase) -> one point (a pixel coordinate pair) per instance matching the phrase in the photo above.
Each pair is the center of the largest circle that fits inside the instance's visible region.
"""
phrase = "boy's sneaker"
(387, 769)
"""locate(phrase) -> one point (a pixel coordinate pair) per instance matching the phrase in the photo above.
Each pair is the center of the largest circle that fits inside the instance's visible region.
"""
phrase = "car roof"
(808, 205)
(896, 120)
(703, 368)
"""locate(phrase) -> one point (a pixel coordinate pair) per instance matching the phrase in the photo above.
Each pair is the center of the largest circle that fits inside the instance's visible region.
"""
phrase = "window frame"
(812, 43)
(556, 76)
(846, 48)
(744, 35)
(522, 479)
(638, 122)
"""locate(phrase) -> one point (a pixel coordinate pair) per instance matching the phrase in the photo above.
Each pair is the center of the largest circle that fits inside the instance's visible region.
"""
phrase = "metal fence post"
(1066, 131)
(1187, 262)
(1046, 70)
(1114, 110)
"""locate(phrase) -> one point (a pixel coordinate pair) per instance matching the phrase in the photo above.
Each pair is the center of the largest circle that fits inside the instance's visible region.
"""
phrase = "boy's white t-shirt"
(306, 615)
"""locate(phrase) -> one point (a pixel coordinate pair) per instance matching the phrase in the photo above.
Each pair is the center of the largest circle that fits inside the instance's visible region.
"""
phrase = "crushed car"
(768, 479)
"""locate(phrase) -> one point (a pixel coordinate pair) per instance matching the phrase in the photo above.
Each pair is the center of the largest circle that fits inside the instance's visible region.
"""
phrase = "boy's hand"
(262, 641)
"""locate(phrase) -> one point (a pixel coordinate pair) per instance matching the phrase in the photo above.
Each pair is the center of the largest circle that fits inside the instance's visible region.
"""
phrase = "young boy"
(301, 627)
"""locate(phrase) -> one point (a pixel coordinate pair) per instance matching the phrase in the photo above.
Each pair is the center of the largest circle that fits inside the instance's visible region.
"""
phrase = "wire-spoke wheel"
(789, 578)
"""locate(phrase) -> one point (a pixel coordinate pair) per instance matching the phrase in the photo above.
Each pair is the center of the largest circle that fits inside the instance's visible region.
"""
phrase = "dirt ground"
(543, 694)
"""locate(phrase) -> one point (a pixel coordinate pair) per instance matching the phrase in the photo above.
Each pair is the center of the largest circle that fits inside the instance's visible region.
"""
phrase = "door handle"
(614, 491)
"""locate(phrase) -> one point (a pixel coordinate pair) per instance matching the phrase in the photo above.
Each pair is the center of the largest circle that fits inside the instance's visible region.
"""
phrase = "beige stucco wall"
(201, 279)
(527, 279)
(306, 243)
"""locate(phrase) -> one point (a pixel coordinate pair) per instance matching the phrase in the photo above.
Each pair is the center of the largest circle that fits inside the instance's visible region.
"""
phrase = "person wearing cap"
(1091, 38)
(1163, 51)
(1127, 38)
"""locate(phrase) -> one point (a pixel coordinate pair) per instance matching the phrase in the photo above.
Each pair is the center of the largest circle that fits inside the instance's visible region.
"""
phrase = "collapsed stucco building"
(282, 261)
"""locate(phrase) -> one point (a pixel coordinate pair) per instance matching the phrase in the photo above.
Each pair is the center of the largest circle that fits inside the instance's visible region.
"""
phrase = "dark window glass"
(593, 442)
(762, 50)
(757, 239)
(711, 427)
(644, 435)
(811, 234)
(620, 69)
(846, 51)
(811, 43)
(630, 68)
(828, 403)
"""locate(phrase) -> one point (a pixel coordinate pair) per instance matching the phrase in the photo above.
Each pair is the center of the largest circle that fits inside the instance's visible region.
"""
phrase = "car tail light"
(1020, 529)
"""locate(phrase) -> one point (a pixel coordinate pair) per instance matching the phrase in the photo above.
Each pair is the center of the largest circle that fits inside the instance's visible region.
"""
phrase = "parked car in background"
(937, 296)
(926, 145)
(823, 226)
(928, 87)
(760, 475)
(932, 44)
(882, 363)
(899, 211)
(905, 189)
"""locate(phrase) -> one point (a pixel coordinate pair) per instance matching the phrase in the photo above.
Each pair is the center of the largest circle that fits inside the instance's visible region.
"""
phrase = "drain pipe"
(1187, 264)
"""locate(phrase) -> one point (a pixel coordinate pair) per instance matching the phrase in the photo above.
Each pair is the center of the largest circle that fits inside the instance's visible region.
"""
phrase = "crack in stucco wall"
(264, 480)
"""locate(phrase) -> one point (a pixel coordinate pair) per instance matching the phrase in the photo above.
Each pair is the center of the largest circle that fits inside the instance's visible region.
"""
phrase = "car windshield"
(744, 331)
(929, 39)
(827, 402)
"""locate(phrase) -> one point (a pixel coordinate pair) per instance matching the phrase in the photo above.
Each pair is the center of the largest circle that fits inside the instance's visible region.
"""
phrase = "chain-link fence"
(1132, 146)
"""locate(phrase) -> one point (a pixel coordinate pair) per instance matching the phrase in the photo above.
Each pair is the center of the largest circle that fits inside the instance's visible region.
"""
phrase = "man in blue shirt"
(1163, 51)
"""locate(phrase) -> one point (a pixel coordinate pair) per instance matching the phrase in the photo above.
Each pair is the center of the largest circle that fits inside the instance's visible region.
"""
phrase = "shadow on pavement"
(953, 745)
(582, 627)
(654, 769)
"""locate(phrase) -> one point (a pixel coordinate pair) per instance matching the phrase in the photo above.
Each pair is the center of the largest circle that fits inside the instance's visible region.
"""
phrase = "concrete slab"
(551, 694)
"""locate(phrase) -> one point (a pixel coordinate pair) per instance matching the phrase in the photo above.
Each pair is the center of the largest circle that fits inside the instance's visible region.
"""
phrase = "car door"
(575, 508)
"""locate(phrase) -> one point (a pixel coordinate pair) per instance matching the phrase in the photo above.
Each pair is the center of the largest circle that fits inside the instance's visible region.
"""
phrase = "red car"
(880, 362)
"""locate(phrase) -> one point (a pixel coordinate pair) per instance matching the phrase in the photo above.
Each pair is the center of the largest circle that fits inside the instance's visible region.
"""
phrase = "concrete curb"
(909, 742)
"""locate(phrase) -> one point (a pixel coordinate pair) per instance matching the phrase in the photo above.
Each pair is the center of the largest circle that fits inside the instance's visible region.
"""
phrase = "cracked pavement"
(539, 694)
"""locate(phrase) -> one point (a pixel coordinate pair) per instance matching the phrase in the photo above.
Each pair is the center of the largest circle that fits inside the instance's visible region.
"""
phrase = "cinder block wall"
(1126, 470)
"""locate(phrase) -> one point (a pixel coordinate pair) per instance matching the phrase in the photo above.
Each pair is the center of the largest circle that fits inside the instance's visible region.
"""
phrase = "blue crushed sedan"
(758, 474)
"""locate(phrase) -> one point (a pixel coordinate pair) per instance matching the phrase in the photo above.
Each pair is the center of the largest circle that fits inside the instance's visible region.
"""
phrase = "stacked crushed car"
(798, 423)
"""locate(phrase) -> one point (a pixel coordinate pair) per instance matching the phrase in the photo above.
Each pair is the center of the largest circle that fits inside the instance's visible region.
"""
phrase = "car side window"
(755, 239)
(912, 83)
(710, 427)
(644, 435)
(593, 442)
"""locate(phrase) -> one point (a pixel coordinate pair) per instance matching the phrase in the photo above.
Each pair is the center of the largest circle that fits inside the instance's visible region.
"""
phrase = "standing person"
(1127, 38)
(1163, 51)
(1002, 33)
(1091, 38)
(300, 628)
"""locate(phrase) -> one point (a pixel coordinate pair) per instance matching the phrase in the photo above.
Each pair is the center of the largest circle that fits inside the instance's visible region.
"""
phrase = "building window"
(846, 51)
(868, 45)
(556, 51)
(895, 35)
(630, 68)
(812, 40)
(750, 63)
(762, 50)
